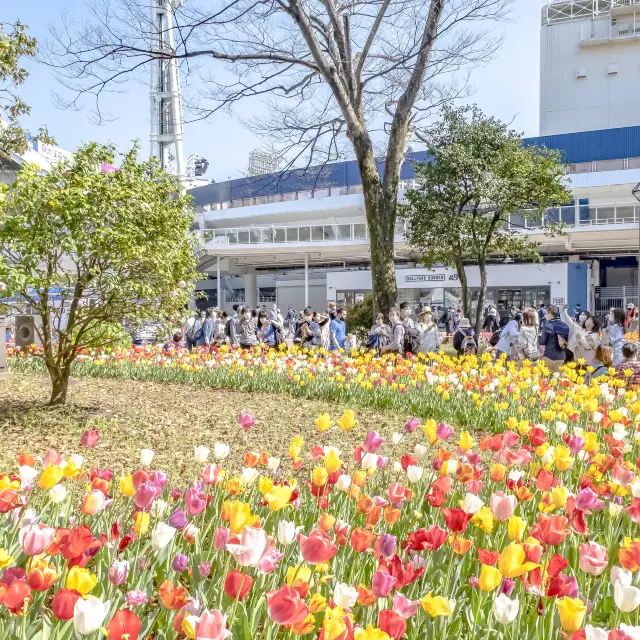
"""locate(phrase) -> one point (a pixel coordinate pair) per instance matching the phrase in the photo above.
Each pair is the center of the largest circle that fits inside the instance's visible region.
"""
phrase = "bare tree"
(337, 76)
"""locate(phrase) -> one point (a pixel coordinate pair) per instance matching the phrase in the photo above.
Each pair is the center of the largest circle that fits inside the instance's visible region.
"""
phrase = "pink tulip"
(411, 425)
(195, 501)
(145, 495)
(246, 421)
(211, 474)
(502, 505)
(221, 538)
(444, 431)
(137, 598)
(510, 439)
(474, 486)
(576, 443)
(212, 625)
(382, 583)
(403, 606)
(270, 561)
(52, 457)
(253, 546)
(90, 438)
(382, 462)
(35, 538)
(593, 558)
(622, 476)
(587, 500)
(373, 442)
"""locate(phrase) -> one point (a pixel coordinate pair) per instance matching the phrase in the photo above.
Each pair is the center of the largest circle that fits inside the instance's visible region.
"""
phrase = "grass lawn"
(170, 419)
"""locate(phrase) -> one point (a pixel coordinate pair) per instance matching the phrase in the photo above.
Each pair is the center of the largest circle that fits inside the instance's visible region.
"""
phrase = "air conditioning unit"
(28, 331)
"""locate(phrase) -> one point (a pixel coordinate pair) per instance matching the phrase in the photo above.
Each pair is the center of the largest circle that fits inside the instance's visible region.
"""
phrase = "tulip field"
(505, 507)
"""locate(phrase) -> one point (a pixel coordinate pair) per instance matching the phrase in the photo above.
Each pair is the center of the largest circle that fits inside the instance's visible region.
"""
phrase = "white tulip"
(504, 609)
(345, 596)
(635, 488)
(561, 427)
(420, 451)
(597, 417)
(161, 536)
(414, 474)
(452, 467)
(621, 575)
(249, 475)
(614, 509)
(626, 597)
(273, 464)
(146, 456)
(200, 454)
(471, 504)
(344, 482)
(396, 437)
(632, 632)
(27, 475)
(369, 461)
(89, 614)
(397, 467)
(76, 460)
(286, 532)
(595, 633)
(220, 450)
(159, 507)
(57, 494)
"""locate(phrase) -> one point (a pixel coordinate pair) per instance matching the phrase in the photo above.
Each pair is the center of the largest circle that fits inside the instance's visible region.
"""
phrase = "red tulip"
(285, 606)
(392, 624)
(550, 529)
(64, 602)
(90, 438)
(318, 547)
(125, 625)
(456, 519)
(430, 539)
(488, 557)
(237, 584)
(15, 595)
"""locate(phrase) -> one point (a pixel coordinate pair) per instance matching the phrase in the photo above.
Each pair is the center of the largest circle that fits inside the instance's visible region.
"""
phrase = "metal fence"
(609, 297)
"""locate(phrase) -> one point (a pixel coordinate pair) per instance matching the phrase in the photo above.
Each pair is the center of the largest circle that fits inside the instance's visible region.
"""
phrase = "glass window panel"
(232, 234)
(317, 234)
(344, 232)
(243, 236)
(292, 234)
(281, 235)
(359, 231)
(330, 232)
(267, 235)
(254, 236)
(305, 234)
(606, 215)
(534, 223)
(568, 215)
(517, 221)
(220, 233)
(552, 215)
(625, 215)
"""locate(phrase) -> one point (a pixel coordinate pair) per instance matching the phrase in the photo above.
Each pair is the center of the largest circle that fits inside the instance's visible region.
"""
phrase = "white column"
(219, 297)
(306, 280)
(251, 290)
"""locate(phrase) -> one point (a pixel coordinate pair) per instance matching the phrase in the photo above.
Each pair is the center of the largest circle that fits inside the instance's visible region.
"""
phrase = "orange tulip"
(251, 459)
(498, 471)
(464, 473)
(391, 515)
(373, 516)
(365, 504)
(173, 597)
(326, 522)
(460, 545)
(523, 494)
(366, 597)
(361, 539)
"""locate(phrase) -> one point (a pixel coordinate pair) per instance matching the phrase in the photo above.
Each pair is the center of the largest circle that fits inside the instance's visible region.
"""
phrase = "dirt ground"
(170, 419)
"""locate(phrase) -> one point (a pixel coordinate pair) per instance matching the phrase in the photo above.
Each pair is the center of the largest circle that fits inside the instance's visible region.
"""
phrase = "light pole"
(636, 195)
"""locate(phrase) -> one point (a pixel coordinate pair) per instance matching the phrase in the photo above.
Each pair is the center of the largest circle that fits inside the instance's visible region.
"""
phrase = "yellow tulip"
(590, 441)
(572, 612)
(298, 572)
(332, 461)
(437, 606)
(563, 458)
(429, 429)
(142, 523)
(50, 476)
(347, 421)
(516, 527)
(81, 580)
(466, 442)
(317, 603)
(559, 496)
(278, 497)
(483, 519)
(238, 515)
(370, 633)
(5, 558)
(333, 625)
(319, 476)
(126, 486)
(490, 578)
(511, 561)
(323, 422)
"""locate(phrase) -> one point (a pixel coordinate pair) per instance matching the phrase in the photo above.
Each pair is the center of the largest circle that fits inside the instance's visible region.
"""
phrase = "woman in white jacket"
(429, 333)
(584, 336)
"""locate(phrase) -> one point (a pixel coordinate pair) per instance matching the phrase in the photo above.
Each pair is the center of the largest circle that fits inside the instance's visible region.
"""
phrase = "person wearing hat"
(429, 332)
(461, 343)
(460, 339)
(629, 315)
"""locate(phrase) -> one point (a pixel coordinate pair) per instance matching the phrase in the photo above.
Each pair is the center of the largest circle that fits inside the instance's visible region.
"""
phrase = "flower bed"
(473, 392)
(528, 533)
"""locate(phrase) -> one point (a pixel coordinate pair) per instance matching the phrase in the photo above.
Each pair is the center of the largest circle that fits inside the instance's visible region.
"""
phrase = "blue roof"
(591, 146)
(585, 146)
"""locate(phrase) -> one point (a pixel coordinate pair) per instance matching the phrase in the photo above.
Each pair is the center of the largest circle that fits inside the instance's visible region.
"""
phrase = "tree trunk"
(464, 286)
(380, 206)
(59, 384)
(482, 265)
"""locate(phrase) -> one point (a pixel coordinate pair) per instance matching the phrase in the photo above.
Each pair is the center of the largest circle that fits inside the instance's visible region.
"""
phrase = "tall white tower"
(166, 106)
(589, 65)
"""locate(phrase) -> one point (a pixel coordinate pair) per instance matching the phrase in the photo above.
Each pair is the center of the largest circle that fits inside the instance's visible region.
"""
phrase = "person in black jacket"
(460, 344)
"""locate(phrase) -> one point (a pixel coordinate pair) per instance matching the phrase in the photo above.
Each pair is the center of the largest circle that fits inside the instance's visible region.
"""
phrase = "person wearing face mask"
(411, 329)
(396, 344)
(584, 336)
(429, 332)
(247, 337)
(613, 335)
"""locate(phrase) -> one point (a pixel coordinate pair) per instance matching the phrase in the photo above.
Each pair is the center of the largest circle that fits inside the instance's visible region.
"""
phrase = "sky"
(507, 87)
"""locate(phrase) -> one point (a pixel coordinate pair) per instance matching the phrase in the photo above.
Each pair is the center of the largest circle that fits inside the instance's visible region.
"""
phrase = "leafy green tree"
(480, 173)
(15, 44)
(88, 248)
(360, 319)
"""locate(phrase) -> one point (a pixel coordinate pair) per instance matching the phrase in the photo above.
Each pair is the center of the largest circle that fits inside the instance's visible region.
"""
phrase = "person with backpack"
(429, 332)
(509, 337)
(192, 330)
(527, 346)
(411, 330)
(208, 328)
(396, 344)
(601, 364)
(247, 336)
(290, 319)
(613, 335)
(464, 339)
(231, 327)
(338, 330)
(269, 330)
(542, 315)
(554, 337)
(379, 335)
